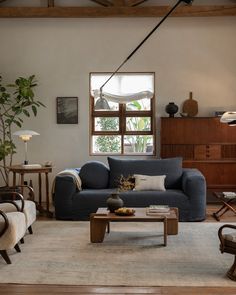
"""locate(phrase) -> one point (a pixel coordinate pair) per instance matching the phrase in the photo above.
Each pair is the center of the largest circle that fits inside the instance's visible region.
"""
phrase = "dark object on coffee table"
(125, 211)
(114, 202)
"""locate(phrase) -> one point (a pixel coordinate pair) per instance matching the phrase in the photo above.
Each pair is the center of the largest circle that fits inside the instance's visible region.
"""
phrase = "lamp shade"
(101, 104)
(25, 135)
(229, 117)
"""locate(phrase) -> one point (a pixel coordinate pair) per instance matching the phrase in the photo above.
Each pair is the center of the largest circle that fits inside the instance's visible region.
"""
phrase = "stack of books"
(158, 209)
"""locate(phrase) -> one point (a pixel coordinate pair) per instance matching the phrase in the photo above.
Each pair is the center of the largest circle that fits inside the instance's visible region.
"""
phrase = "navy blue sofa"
(185, 188)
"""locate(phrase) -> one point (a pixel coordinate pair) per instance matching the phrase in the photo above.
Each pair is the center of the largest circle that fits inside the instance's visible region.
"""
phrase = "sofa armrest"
(64, 190)
(194, 186)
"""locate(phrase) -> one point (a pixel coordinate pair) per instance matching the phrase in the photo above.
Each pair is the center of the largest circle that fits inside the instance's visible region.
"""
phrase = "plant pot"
(114, 202)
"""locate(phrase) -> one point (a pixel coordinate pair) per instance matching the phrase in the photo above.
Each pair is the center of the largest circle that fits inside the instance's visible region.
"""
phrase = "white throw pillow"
(149, 183)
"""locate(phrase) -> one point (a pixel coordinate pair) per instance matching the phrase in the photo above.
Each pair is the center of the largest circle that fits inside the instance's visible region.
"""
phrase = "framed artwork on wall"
(67, 110)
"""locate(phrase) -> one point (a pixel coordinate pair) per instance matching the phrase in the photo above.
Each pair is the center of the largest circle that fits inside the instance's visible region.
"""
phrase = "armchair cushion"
(29, 210)
(230, 237)
(15, 231)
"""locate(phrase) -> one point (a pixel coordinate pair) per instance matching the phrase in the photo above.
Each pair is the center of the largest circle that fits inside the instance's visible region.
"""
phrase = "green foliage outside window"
(133, 143)
(107, 143)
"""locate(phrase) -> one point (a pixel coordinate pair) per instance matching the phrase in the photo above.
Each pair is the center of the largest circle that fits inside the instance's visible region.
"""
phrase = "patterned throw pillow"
(126, 183)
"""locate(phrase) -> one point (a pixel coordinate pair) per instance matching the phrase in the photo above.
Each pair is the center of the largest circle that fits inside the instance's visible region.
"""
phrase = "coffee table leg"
(97, 230)
(172, 227)
(165, 231)
(108, 227)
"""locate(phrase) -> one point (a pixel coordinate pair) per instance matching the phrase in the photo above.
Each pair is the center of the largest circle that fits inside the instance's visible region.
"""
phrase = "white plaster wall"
(187, 54)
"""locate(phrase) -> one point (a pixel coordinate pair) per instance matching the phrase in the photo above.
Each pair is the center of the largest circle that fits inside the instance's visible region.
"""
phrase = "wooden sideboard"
(205, 144)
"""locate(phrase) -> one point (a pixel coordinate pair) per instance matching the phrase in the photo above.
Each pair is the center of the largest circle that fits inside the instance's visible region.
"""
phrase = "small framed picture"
(67, 110)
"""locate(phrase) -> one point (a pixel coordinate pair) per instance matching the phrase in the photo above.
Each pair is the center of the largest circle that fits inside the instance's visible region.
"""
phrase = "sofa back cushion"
(171, 167)
(94, 175)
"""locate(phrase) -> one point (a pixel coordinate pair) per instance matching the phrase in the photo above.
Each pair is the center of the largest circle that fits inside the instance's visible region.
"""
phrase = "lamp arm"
(144, 40)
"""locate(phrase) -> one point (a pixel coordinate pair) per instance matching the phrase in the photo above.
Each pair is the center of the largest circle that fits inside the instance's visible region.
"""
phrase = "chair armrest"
(6, 223)
(31, 190)
(220, 235)
(10, 197)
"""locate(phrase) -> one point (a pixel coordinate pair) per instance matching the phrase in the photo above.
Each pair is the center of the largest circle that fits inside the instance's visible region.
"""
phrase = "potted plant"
(16, 101)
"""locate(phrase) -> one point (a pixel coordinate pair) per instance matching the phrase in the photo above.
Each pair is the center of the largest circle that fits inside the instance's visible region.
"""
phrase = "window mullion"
(122, 125)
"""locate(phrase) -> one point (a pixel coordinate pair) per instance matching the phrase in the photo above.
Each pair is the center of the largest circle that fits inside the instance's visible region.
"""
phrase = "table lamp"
(25, 135)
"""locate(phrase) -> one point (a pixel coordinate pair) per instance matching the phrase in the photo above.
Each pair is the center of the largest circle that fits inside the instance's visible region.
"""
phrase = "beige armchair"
(16, 202)
(228, 245)
(12, 230)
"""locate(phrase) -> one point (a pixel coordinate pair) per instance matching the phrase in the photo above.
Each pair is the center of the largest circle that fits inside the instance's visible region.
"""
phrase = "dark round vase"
(171, 109)
(114, 202)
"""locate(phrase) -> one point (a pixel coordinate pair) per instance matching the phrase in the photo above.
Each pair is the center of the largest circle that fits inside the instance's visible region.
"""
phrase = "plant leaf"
(26, 113)
(34, 109)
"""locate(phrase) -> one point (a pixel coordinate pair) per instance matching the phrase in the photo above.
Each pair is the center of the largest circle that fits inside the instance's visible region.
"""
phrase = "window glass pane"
(106, 144)
(138, 144)
(106, 124)
(139, 105)
(138, 124)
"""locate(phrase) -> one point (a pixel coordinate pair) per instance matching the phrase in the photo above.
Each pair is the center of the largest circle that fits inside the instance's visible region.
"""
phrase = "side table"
(227, 205)
(19, 169)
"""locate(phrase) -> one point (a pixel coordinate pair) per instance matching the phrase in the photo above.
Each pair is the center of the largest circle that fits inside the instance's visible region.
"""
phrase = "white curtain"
(124, 98)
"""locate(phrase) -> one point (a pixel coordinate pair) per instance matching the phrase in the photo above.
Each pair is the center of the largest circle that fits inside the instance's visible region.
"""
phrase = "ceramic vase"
(171, 109)
(114, 202)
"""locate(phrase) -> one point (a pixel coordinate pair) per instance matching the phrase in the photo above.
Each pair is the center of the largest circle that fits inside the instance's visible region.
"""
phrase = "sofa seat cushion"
(94, 175)
(90, 200)
(173, 198)
(171, 167)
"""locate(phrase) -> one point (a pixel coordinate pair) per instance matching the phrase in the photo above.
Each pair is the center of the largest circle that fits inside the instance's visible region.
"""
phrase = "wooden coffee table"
(100, 220)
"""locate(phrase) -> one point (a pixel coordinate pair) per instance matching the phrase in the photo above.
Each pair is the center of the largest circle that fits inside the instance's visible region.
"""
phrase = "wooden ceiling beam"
(118, 3)
(134, 2)
(105, 3)
(137, 11)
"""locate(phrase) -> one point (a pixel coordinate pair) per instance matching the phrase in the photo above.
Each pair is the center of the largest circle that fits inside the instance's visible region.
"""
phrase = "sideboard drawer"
(207, 152)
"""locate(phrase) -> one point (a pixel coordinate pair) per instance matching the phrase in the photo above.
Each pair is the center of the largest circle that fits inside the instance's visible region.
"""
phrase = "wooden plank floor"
(17, 289)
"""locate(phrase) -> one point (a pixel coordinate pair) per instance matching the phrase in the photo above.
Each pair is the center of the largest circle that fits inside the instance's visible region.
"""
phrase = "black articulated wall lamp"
(101, 102)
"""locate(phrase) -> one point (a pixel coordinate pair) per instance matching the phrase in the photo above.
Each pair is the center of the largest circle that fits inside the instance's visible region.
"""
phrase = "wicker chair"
(12, 230)
(16, 202)
(228, 245)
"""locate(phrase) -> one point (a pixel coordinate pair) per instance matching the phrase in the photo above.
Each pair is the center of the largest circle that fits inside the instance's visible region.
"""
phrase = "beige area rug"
(61, 253)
